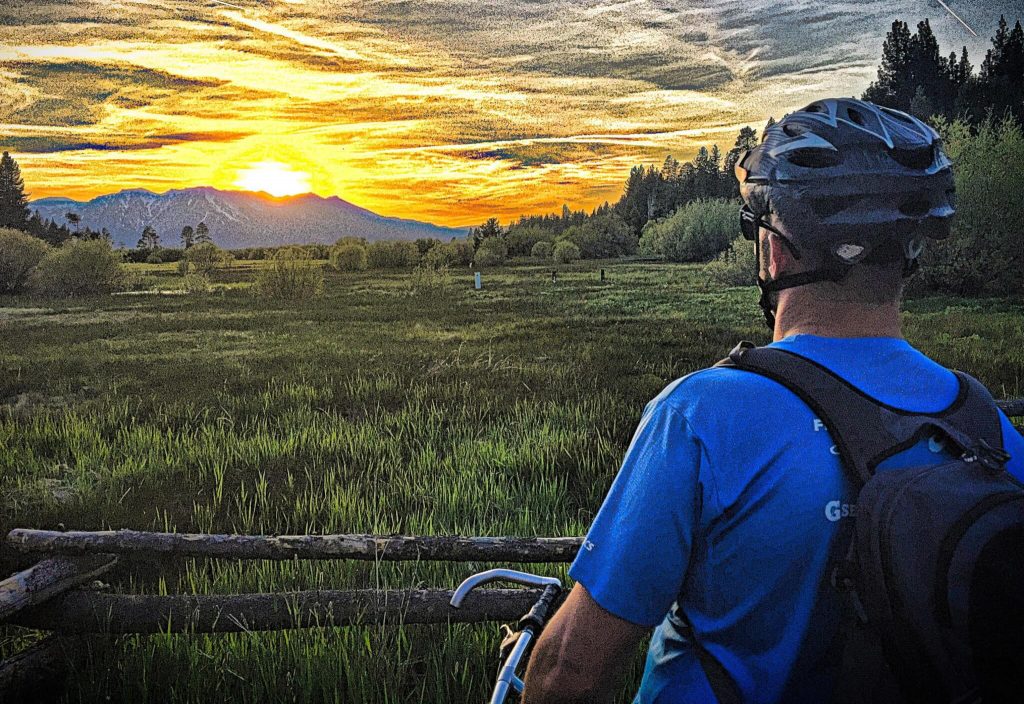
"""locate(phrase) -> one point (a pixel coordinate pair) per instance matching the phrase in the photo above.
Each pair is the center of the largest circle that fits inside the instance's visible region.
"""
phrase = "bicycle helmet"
(851, 180)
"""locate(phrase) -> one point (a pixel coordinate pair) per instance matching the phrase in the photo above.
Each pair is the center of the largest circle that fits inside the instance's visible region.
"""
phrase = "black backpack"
(934, 573)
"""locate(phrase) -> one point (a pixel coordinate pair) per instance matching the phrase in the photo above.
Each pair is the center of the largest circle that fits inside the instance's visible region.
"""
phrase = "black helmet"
(851, 180)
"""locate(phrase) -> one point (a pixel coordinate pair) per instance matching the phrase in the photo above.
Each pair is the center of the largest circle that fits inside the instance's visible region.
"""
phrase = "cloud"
(75, 93)
(465, 107)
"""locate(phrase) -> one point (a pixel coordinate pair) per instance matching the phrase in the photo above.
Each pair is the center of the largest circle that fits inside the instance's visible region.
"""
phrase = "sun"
(274, 178)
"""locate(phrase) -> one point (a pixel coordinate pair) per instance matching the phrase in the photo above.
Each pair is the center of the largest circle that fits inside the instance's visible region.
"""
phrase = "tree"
(73, 219)
(892, 87)
(188, 237)
(745, 140)
(150, 240)
(13, 200)
(491, 228)
(1002, 72)
(202, 234)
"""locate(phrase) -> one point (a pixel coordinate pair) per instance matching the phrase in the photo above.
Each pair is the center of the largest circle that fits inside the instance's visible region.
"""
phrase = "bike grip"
(538, 614)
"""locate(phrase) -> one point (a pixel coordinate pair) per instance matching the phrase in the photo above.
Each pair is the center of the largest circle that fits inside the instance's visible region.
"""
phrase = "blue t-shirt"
(730, 502)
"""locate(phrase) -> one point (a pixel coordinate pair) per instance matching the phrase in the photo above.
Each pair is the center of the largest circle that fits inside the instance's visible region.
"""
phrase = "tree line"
(915, 76)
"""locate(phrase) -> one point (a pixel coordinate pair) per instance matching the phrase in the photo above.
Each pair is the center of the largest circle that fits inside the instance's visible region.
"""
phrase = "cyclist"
(719, 528)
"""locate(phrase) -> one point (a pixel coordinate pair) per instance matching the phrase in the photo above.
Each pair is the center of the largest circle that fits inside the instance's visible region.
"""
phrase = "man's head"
(842, 195)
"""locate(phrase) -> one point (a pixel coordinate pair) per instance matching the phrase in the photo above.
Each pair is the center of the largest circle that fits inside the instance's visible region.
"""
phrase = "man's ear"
(780, 259)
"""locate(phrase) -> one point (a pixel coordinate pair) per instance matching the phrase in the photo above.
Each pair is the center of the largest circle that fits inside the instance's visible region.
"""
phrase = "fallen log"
(304, 547)
(83, 611)
(47, 579)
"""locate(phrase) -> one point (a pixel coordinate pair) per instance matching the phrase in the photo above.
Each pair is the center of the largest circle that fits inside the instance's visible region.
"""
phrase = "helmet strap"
(835, 272)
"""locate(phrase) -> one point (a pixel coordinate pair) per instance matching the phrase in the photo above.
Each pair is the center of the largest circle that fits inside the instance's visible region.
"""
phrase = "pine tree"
(892, 87)
(1002, 72)
(14, 211)
(187, 237)
(491, 228)
(150, 240)
(73, 219)
(745, 140)
(202, 234)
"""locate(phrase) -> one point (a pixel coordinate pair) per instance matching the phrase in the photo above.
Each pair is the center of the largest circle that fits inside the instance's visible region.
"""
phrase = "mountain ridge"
(235, 218)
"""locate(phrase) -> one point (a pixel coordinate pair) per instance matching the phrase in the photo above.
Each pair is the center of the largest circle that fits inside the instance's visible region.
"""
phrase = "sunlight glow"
(274, 178)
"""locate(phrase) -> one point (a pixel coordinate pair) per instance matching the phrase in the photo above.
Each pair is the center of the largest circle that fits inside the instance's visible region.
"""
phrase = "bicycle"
(515, 644)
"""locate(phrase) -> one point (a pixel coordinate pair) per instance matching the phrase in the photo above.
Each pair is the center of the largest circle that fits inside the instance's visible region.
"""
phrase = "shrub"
(523, 238)
(457, 253)
(492, 252)
(171, 254)
(154, 258)
(349, 257)
(983, 254)
(427, 280)
(292, 275)
(204, 259)
(542, 250)
(393, 255)
(195, 283)
(19, 255)
(79, 268)
(565, 252)
(736, 266)
(696, 232)
(602, 237)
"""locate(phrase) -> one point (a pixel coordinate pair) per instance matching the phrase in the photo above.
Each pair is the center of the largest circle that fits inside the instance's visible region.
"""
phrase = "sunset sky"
(447, 112)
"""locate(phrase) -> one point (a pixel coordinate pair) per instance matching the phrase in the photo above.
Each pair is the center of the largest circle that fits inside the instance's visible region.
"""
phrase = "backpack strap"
(866, 431)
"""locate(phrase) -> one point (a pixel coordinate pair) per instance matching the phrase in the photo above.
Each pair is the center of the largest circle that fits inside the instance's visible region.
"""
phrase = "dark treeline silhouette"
(15, 214)
(915, 77)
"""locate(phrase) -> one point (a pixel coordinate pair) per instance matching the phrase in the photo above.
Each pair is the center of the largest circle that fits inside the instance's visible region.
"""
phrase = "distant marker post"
(476, 281)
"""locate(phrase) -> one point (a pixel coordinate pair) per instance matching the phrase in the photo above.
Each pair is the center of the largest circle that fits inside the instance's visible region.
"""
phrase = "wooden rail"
(47, 579)
(290, 547)
(83, 611)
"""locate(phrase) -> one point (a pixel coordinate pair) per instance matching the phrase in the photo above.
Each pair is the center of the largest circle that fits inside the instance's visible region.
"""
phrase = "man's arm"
(582, 653)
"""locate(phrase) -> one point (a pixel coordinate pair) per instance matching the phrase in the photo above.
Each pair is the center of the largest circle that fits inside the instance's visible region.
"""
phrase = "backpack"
(933, 574)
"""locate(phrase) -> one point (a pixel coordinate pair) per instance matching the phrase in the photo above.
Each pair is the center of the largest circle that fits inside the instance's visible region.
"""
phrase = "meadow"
(393, 404)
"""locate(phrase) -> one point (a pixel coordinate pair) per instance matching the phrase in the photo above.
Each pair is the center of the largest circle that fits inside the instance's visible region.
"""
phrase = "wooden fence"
(52, 594)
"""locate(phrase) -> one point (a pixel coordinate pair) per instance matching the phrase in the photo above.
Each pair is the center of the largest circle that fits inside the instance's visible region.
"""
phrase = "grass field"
(379, 408)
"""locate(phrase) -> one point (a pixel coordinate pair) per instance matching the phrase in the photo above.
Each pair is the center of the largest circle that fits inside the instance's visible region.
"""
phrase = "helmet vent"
(815, 107)
(793, 130)
(915, 208)
(920, 158)
(856, 117)
(814, 158)
(827, 207)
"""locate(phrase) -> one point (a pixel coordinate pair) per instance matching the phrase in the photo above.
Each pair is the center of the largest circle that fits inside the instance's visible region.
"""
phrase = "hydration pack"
(933, 573)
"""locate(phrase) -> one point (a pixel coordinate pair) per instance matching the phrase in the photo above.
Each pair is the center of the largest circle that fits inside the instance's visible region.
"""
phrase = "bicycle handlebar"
(530, 624)
(524, 578)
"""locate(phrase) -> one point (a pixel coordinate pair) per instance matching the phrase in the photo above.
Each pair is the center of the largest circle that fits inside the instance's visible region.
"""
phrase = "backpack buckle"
(991, 458)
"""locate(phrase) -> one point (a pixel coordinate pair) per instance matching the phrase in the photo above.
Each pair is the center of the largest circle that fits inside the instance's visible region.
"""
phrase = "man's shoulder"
(707, 395)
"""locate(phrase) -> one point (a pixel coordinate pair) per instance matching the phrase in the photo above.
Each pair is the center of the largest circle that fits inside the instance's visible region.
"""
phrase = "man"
(719, 530)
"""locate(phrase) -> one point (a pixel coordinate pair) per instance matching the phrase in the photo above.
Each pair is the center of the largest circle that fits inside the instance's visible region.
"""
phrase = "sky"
(443, 111)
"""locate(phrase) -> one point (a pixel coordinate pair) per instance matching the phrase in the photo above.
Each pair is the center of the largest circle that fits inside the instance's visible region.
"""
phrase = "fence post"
(476, 281)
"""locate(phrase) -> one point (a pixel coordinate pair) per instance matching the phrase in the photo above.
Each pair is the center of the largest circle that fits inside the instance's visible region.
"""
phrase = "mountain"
(236, 218)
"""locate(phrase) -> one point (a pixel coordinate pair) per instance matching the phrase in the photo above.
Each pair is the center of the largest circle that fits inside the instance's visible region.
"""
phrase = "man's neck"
(797, 315)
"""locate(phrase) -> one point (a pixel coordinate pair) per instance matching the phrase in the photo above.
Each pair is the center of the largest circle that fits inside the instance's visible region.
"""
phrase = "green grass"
(377, 408)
